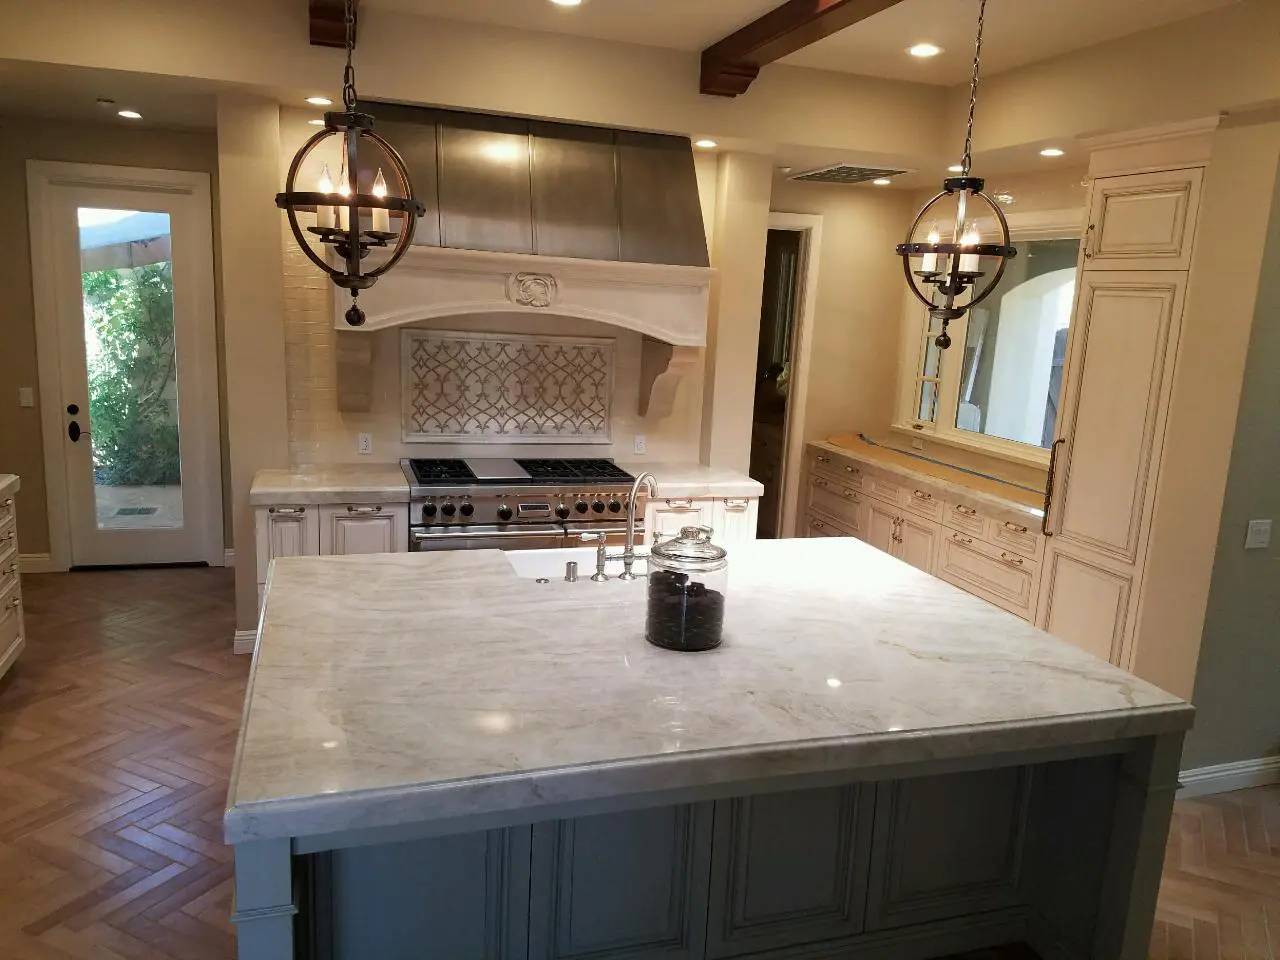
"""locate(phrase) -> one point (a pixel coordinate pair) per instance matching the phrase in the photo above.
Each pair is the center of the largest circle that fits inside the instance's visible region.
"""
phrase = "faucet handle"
(589, 537)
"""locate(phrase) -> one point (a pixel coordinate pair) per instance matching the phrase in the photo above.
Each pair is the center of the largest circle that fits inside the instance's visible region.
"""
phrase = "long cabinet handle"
(966, 511)
(365, 510)
(1089, 235)
(1007, 558)
(736, 504)
(1048, 487)
(680, 504)
(962, 539)
(288, 511)
(1014, 527)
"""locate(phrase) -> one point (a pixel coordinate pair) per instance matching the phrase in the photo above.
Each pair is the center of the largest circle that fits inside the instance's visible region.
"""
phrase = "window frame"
(1065, 224)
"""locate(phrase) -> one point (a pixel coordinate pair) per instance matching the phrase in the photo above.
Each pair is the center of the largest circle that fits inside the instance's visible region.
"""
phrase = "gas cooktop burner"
(441, 471)
(575, 471)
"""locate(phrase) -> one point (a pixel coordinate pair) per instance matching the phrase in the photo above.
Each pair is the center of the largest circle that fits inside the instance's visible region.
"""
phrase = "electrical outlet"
(364, 444)
(1259, 535)
(917, 444)
(26, 397)
(638, 445)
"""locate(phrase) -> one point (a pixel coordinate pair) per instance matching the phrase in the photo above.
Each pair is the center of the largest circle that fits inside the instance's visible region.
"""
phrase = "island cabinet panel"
(947, 846)
(352, 529)
(626, 885)
(789, 869)
(465, 895)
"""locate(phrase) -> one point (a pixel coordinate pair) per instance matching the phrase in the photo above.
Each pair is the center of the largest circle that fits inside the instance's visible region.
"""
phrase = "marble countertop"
(385, 483)
(375, 702)
(9, 484)
(1009, 501)
(331, 483)
(679, 480)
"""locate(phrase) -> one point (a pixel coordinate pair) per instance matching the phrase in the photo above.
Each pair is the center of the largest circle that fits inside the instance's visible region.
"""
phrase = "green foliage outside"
(135, 435)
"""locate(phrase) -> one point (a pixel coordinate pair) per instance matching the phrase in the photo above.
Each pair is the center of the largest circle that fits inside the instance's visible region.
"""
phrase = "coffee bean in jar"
(686, 592)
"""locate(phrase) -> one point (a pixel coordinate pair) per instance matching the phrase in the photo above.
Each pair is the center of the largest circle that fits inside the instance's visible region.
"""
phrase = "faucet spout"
(650, 484)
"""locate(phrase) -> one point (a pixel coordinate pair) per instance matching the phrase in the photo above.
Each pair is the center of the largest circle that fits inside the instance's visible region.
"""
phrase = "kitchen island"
(441, 757)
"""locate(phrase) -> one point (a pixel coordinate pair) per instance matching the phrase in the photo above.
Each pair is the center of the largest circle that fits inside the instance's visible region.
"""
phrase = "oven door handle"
(471, 533)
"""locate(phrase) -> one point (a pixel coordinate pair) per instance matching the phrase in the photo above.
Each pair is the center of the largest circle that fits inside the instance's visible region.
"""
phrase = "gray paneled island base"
(440, 758)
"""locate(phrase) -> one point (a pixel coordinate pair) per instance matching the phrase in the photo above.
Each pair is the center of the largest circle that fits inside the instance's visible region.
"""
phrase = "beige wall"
(853, 356)
(1227, 273)
(21, 449)
(1238, 685)
(253, 306)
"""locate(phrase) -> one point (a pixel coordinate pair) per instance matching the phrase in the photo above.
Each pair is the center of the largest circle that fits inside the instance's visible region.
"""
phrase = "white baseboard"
(38, 563)
(1225, 777)
(244, 641)
(229, 557)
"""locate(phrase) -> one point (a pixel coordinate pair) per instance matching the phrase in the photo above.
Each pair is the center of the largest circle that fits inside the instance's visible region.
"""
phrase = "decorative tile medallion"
(505, 388)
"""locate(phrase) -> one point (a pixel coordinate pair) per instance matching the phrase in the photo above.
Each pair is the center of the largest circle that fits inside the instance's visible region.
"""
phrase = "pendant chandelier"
(347, 221)
(953, 276)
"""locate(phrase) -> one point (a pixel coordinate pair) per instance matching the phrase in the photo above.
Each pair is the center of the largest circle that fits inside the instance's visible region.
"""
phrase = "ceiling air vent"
(845, 173)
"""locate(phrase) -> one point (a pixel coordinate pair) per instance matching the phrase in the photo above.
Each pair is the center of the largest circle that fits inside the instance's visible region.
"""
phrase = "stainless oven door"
(527, 536)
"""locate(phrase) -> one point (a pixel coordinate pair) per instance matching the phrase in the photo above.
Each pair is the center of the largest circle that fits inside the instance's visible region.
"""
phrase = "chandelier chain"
(967, 160)
(349, 73)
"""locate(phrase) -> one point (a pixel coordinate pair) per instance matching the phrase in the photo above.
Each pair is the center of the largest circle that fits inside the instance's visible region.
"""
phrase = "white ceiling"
(1018, 31)
(70, 93)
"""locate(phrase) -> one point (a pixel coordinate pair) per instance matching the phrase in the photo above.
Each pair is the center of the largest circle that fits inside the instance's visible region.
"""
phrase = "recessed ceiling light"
(924, 50)
(320, 101)
(882, 181)
(567, 3)
(705, 143)
(129, 114)
(1051, 152)
(784, 169)
(316, 123)
(955, 168)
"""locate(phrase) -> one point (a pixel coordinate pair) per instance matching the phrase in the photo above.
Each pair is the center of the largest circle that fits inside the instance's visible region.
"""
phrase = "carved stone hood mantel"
(665, 302)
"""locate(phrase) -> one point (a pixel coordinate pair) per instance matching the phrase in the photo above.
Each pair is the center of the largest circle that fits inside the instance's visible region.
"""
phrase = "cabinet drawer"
(922, 503)
(838, 501)
(995, 575)
(10, 618)
(816, 526)
(1021, 538)
(964, 517)
(836, 467)
(7, 509)
(884, 486)
(8, 566)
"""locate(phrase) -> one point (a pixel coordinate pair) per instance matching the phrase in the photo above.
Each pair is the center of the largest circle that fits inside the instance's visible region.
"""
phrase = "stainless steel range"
(482, 503)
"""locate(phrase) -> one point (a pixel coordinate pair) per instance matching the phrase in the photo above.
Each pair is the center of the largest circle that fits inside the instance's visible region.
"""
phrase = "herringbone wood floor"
(116, 734)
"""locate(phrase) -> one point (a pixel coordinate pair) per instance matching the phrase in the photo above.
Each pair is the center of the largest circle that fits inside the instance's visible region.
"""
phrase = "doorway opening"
(777, 434)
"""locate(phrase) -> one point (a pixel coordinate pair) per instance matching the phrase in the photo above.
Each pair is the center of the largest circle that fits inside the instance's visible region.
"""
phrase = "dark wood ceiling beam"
(729, 66)
(328, 22)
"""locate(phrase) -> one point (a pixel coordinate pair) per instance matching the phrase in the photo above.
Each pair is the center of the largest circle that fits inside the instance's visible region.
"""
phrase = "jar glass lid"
(692, 549)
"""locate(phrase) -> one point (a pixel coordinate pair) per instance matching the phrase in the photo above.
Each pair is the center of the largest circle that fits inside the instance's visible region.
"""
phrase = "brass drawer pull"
(850, 496)
(853, 470)
(959, 539)
(819, 482)
(288, 511)
(8, 502)
(685, 504)
(735, 505)
(818, 525)
(14, 603)
(822, 459)
(7, 537)
(1014, 527)
(921, 495)
(1016, 561)
(966, 511)
(365, 510)
(13, 567)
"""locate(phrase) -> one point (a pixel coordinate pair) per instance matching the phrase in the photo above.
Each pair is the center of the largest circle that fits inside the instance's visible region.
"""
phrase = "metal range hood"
(526, 215)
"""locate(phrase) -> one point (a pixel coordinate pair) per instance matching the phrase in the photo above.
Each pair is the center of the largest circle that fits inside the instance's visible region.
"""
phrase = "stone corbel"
(353, 354)
(663, 367)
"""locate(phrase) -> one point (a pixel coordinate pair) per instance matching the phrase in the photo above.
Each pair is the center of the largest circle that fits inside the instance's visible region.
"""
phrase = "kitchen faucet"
(646, 480)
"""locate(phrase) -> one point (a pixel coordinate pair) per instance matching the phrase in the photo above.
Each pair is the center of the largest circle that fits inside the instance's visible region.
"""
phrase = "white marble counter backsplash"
(401, 688)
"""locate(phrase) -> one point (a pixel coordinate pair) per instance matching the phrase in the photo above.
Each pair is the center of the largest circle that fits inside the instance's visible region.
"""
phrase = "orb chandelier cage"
(954, 276)
(338, 210)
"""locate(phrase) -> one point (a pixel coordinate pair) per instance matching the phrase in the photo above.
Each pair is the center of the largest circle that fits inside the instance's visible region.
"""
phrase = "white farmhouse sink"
(531, 564)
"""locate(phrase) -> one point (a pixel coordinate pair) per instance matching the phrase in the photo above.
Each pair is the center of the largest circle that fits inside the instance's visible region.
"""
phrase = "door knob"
(74, 431)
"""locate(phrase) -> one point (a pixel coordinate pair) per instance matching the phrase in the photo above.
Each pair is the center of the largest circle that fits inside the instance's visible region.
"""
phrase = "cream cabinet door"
(734, 520)
(286, 531)
(663, 518)
(1085, 602)
(363, 528)
(882, 526)
(1119, 370)
(1145, 221)
(917, 543)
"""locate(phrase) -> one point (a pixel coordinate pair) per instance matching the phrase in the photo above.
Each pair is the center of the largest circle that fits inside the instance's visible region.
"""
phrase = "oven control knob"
(562, 512)
(597, 506)
(428, 511)
(448, 509)
(581, 506)
(467, 509)
(615, 505)
(504, 513)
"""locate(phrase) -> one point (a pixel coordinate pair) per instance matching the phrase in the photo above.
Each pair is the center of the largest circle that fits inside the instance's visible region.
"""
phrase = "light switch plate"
(364, 444)
(26, 397)
(639, 445)
(1259, 535)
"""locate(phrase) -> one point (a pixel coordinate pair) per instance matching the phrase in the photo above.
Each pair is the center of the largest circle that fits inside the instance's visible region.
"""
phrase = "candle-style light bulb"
(344, 194)
(381, 215)
(324, 212)
(929, 264)
(969, 262)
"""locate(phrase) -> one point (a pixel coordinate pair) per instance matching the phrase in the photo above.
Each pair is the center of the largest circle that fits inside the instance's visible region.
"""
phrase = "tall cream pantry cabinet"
(1122, 354)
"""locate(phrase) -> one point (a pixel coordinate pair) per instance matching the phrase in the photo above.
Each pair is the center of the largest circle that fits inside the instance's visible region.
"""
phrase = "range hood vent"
(845, 173)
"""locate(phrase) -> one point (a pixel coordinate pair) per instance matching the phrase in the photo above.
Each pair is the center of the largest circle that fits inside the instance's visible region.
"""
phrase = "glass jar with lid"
(688, 575)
